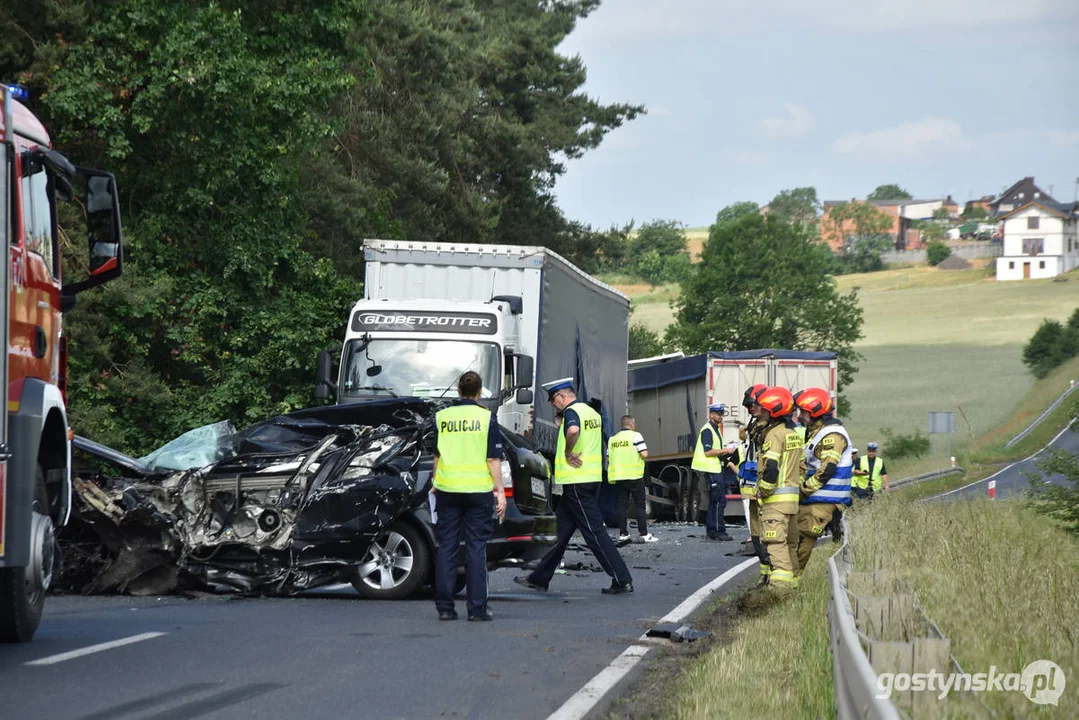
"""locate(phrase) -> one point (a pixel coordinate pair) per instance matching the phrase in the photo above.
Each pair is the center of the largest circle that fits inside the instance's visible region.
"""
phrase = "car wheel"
(396, 566)
(22, 590)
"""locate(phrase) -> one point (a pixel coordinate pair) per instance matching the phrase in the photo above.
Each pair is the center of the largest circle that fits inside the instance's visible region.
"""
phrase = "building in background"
(1040, 238)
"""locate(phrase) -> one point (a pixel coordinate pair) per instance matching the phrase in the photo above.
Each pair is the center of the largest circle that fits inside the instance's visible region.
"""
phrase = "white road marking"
(89, 650)
(1004, 469)
(582, 701)
(691, 603)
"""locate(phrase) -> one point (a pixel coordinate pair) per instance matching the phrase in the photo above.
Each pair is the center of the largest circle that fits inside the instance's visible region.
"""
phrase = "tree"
(937, 252)
(940, 213)
(761, 283)
(660, 250)
(735, 211)
(1058, 500)
(890, 191)
(1044, 350)
(644, 342)
(799, 205)
(974, 212)
(864, 233)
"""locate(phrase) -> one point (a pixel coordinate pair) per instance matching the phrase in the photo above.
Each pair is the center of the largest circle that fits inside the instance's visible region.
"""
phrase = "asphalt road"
(336, 655)
(1012, 480)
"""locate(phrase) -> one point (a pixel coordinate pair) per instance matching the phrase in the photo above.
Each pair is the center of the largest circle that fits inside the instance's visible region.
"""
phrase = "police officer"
(826, 488)
(778, 486)
(747, 474)
(467, 469)
(874, 474)
(626, 453)
(579, 470)
(708, 459)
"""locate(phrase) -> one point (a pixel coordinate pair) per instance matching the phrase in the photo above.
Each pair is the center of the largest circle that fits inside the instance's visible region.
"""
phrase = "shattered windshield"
(419, 368)
(194, 449)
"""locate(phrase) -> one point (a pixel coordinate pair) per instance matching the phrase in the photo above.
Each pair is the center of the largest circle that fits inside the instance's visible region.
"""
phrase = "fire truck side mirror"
(105, 238)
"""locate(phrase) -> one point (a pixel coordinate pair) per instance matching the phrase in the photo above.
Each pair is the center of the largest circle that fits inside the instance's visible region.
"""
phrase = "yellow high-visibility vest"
(589, 446)
(624, 462)
(462, 449)
(873, 481)
(703, 462)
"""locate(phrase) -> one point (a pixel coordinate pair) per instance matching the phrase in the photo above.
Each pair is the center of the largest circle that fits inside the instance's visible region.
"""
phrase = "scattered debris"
(677, 632)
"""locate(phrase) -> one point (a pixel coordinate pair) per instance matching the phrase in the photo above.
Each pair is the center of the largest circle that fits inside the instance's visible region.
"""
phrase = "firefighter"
(467, 471)
(626, 453)
(753, 435)
(579, 470)
(826, 488)
(708, 459)
(778, 487)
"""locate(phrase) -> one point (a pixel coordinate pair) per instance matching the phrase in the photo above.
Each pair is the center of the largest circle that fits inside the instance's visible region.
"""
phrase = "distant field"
(934, 340)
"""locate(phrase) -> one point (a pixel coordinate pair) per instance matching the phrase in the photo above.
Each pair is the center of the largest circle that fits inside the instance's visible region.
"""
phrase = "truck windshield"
(420, 368)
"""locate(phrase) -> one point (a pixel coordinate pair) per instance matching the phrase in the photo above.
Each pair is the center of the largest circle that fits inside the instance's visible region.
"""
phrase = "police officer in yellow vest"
(778, 486)
(709, 459)
(626, 453)
(579, 470)
(870, 475)
(467, 486)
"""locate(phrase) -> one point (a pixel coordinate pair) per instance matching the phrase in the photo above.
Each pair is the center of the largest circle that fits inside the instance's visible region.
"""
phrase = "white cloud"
(798, 121)
(1066, 139)
(907, 141)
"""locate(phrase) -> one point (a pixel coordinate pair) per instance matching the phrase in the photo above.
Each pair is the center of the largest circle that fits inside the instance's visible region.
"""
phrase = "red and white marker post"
(992, 489)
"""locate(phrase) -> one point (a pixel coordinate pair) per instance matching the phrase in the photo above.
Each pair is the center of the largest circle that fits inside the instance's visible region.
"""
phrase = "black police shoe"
(485, 615)
(617, 588)
(523, 580)
(724, 537)
(447, 614)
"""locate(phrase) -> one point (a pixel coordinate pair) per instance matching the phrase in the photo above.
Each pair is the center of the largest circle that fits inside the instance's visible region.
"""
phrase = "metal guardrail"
(855, 679)
(1041, 417)
(931, 475)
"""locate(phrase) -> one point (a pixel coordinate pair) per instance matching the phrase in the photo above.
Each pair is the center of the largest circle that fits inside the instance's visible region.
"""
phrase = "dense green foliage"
(890, 191)
(644, 342)
(898, 446)
(255, 146)
(1059, 501)
(937, 252)
(974, 212)
(1051, 345)
(763, 282)
(799, 205)
(659, 252)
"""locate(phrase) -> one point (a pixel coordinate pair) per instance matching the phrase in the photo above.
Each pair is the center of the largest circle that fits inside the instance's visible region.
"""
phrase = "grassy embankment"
(934, 340)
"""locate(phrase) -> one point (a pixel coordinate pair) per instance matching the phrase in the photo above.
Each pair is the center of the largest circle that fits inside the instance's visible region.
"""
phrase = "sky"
(749, 97)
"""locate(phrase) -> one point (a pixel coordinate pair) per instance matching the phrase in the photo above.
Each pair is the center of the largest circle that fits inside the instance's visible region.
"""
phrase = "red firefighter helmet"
(815, 401)
(778, 401)
(751, 395)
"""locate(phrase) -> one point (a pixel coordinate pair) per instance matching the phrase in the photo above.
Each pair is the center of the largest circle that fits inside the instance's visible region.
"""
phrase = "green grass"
(790, 675)
(998, 579)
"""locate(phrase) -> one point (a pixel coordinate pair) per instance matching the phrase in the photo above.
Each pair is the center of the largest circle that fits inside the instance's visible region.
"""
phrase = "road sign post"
(942, 423)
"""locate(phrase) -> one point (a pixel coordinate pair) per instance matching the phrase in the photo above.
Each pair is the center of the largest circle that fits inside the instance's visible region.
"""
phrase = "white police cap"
(853, 450)
(717, 407)
(556, 385)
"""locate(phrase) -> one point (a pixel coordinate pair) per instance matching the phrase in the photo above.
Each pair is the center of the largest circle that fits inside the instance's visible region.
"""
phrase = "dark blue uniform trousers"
(472, 514)
(579, 510)
(717, 504)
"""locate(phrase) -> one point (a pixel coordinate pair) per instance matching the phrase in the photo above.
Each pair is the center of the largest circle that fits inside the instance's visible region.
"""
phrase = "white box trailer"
(437, 309)
(669, 398)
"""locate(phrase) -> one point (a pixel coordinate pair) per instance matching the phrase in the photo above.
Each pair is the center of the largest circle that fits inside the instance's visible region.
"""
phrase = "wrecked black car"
(321, 496)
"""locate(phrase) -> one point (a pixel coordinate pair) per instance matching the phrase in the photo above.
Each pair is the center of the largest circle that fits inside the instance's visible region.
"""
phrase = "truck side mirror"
(523, 376)
(524, 396)
(324, 384)
(105, 238)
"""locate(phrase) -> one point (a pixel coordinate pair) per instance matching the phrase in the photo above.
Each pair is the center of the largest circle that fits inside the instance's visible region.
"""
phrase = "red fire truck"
(35, 441)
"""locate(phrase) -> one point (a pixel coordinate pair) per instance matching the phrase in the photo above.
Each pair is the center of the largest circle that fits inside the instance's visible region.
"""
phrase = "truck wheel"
(397, 564)
(697, 484)
(22, 590)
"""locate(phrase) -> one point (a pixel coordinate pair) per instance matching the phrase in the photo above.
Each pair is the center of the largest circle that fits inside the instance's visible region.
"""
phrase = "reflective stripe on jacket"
(462, 449)
(624, 462)
(589, 446)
